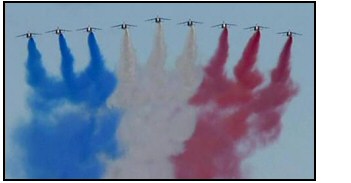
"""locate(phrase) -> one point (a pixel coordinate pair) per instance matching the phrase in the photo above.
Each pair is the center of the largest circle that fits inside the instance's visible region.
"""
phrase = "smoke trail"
(47, 88)
(67, 71)
(244, 70)
(136, 132)
(214, 80)
(223, 138)
(158, 55)
(127, 68)
(154, 75)
(197, 161)
(67, 61)
(67, 144)
(282, 71)
(154, 72)
(247, 76)
(216, 65)
(37, 75)
(95, 84)
(185, 64)
(281, 88)
(68, 139)
(272, 99)
(126, 73)
(155, 128)
(188, 57)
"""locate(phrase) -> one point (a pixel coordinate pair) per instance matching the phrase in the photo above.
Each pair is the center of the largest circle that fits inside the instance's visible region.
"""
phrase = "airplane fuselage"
(89, 29)
(190, 23)
(124, 26)
(256, 28)
(158, 20)
(289, 33)
(58, 31)
(28, 35)
(224, 26)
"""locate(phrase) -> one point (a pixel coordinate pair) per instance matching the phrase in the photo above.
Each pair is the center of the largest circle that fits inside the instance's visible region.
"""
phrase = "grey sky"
(292, 156)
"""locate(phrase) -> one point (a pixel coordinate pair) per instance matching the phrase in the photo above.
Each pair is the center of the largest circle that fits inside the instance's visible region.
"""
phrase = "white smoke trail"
(126, 74)
(156, 124)
(188, 57)
(190, 73)
(158, 55)
(126, 71)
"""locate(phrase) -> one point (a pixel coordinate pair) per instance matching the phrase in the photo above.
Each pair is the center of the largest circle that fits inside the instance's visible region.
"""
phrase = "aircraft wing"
(232, 24)
(165, 19)
(182, 22)
(282, 32)
(198, 22)
(50, 31)
(21, 35)
(216, 25)
(150, 19)
(36, 34)
(263, 27)
(66, 30)
(82, 29)
(131, 25)
(249, 27)
(96, 28)
(117, 26)
(296, 33)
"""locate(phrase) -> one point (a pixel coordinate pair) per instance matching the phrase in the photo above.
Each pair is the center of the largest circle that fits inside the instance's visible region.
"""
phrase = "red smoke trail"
(215, 80)
(215, 150)
(247, 76)
(271, 100)
(282, 72)
(245, 72)
(209, 148)
(281, 88)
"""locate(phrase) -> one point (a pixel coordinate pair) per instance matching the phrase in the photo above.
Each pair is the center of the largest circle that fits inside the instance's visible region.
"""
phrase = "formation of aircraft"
(123, 26)
(190, 23)
(223, 25)
(156, 19)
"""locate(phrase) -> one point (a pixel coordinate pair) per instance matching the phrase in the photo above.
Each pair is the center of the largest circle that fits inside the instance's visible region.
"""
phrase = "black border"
(263, 2)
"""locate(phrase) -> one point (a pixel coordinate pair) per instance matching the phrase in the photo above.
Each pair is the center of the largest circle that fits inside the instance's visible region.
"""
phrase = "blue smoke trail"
(45, 87)
(66, 63)
(69, 146)
(62, 142)
(95, 84)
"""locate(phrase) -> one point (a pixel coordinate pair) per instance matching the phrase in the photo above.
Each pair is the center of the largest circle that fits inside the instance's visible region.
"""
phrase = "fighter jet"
(256, 27)
(58, 31)
(157, 19)
(190, 23)
(224, 25)
(28, 35)
(89, 29)
(289, 33)
(123, 26)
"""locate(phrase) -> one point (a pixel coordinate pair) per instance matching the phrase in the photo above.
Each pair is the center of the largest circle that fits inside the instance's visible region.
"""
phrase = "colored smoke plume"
(240, 117)
(156, 119)
(70, 128)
